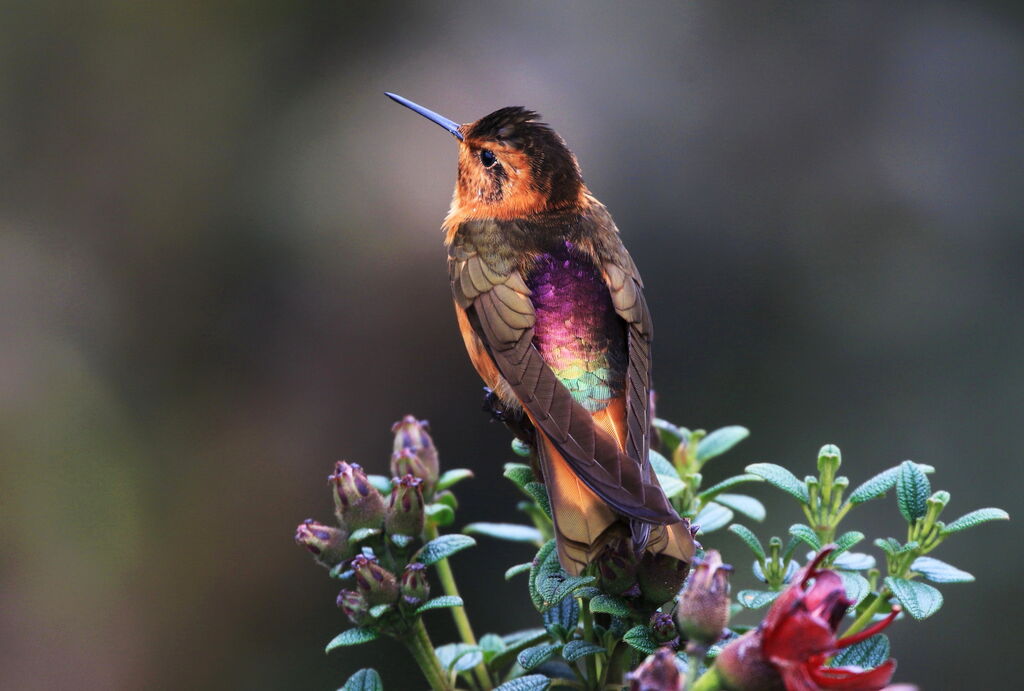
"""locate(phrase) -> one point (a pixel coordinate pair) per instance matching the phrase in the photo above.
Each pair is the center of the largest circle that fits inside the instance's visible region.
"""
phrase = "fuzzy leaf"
(939, 571)
(442, 548)
(671, 486)
(565, 616)
(919, 599)
(513, 571)
(889, 545)
(712, 517)
(803, 532)
(491, 645)
(880, 484)
(537, 655)
(362, 534)
(641, 638)
(756, 599)
(511, 532)
(515, 643)
(854, 561)
(378, 611)
(450, 477)
(741, 503)
(609, 604)
(442, 602)
(531, 682)
(720, 441)
(459, 657)
(867, 654)
(662, 466)
(912, 491)
(975, 518)
(710, 492)
(519, 474)
(439, 513)
(574, 650)
(856, 586)
(781, 478)
(363, 680)
(542, 561)
(520, 448)
(352, 637)
(847, 540)
(749, 538)
(670, 435)
(539, 492)
(401, 541)
(380, 483)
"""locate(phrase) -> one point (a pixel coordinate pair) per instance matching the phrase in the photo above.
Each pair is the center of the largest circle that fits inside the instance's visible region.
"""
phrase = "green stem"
(588, 635)
(692, 666)
(614, 672)
(865, 617)
(422, 651)
(444, 572)
(709, 681)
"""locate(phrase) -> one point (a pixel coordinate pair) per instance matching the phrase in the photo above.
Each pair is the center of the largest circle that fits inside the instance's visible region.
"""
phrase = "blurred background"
(221, 271)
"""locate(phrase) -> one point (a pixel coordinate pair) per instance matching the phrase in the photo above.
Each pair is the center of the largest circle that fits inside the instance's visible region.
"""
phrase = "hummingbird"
(551, 309)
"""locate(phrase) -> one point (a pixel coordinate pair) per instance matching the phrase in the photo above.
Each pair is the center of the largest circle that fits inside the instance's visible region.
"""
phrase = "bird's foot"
(513, 418)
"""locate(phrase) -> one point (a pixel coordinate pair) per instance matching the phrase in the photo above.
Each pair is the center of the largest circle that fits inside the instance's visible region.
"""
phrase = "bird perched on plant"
(551, 309)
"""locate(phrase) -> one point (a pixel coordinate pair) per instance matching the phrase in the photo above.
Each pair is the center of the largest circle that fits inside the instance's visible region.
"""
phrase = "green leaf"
(671, 436)
(756, 599)
(531, 682)
(720, 441)
(380, 483)
(442, 602)
(459, 657)
(712, 517)
(352, 637)
(919, 599)
(516, 570)
(661, 465)
(378, 611)
(939, 571)
(442, 548)
(641, 638)
(574, 650)
(450, 477)
(363, 680)
(805, 533)
(889, 545)
(362, 534)
(847, 540)
(520, 448)
(537, 655)
(867, 654)
(609, 604)
(710, 492)
(741, 503)
(912, 491)
(542, 561)
(491, 645)
(749, 538)
(565, 616)
(519, 474)
(880, 484)
(857, 587)
(516, 642)
(401, 541)
(511, 532)
(671, 486)
(439, 513)
(539, 492)
(854, 561)
(975, 518)
(781, 478)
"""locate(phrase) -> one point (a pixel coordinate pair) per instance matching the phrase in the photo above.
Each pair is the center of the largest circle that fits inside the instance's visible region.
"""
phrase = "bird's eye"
(488, 158)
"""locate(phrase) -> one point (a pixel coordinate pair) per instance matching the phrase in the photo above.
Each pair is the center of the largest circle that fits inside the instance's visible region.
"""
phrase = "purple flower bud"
(657, 673)
(355, 607)
(357, 503)
(373, 582)
(329, 545)
(414, 587)
(411, 436)
(703, 609)
(663, 627)
(660, 577)
(405, 510)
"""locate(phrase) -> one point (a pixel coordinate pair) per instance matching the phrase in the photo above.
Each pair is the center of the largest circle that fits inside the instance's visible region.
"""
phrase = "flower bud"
(406, 462)
(357, 503)
(703, 609)
(663, 627)
(405, 510)
(373, 582)
(329, 545)
(355, 607)
(411, 435)
(616, 566)
(660, 577)
(742, 666)
(414, 587)
(657, 673)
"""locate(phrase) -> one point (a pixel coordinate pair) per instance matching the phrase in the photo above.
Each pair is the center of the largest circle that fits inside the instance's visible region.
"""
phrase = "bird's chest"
(577, 331)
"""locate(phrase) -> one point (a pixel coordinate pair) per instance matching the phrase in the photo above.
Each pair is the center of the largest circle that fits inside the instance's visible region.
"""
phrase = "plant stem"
(588, 635)
(709, 681)
(422, 651)
(865, 617)
(613, 674)
(693, 664)
(444, 572)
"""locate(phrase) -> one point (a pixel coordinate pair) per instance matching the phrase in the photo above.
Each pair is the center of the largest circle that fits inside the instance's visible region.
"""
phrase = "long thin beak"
(428, 114)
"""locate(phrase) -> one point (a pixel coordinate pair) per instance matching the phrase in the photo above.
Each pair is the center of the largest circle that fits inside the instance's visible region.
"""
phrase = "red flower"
(791, 646)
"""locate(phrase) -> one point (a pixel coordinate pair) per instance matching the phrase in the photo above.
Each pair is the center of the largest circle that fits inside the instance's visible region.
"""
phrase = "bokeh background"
(221, 270)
